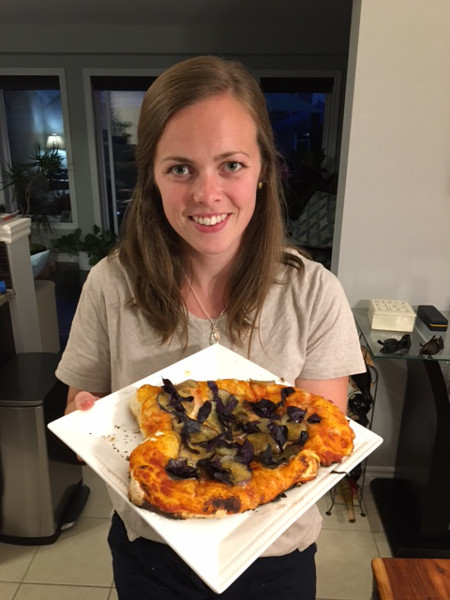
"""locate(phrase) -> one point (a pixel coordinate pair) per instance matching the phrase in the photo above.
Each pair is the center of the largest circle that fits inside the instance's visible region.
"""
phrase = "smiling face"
(207, 168)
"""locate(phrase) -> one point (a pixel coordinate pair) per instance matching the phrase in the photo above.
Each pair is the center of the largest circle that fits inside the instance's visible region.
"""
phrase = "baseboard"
(373, 472)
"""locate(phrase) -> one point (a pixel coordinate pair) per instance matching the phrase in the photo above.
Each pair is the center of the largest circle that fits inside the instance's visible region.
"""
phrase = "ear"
(263, 171)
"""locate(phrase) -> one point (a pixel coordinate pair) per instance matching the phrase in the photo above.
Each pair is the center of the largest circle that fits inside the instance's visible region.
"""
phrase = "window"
(117, 105)
(299, 110)
(303, 112)
(33, 159)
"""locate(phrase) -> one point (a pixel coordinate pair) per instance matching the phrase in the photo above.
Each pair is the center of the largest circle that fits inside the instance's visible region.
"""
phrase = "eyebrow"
(184, 159)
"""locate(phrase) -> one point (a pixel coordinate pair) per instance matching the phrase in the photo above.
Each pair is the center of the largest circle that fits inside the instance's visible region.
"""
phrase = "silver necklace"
(214, 336)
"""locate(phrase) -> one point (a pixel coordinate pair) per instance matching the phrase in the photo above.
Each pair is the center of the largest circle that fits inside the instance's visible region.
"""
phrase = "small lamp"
(55, 140)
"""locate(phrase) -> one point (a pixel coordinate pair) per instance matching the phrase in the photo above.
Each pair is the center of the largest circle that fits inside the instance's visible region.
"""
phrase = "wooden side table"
(411, 578)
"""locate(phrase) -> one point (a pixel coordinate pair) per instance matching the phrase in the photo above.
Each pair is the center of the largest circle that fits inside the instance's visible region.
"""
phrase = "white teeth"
(209, 220)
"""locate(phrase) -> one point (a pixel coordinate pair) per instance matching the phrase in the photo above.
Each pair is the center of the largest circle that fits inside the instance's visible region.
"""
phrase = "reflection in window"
(298, 109)
(34, 174)
(117, 104)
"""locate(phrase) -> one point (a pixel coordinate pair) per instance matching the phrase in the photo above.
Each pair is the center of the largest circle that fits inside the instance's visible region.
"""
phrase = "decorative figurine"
(433, 346)
(391, 345)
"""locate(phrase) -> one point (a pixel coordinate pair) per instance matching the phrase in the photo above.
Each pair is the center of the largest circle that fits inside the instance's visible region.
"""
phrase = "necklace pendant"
(214, 337)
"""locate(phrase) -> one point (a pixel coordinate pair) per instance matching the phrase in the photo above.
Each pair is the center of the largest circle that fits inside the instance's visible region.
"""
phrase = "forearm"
(335, 390)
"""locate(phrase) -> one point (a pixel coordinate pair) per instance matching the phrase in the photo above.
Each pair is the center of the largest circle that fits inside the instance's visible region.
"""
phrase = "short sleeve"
(332, 347)
(85, 363)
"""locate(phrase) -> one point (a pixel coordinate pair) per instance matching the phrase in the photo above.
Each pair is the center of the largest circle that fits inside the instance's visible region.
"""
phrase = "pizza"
(214, 448)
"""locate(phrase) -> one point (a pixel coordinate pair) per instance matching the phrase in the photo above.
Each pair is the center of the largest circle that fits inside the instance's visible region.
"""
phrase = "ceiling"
(170, 12)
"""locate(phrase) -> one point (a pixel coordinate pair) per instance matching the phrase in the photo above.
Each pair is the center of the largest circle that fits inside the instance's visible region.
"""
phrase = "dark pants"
(146, 570)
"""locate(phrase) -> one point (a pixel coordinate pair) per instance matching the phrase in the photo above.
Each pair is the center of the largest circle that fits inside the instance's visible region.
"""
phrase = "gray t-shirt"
(306, 330)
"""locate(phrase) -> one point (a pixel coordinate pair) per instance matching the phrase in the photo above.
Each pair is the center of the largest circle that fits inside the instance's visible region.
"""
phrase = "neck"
(204, 289)
(202, 304)
(206, 269)
(194, 303)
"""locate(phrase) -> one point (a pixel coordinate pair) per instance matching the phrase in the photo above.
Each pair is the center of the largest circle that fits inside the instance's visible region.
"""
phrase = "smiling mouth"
(209, 220)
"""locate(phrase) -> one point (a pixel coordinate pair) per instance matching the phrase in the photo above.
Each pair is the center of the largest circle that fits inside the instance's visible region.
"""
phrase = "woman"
(202, 259)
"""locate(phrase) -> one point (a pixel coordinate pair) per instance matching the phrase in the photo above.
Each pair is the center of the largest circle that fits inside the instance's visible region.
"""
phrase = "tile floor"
(77, 566)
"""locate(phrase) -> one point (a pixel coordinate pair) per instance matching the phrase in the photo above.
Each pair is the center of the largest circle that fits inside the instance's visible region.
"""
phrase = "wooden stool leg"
(381, 585)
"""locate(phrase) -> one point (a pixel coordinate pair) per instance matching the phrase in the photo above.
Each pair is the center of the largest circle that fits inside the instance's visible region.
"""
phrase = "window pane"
(298, 124)
(34, 165)
(117, 105)
(117, 115)
(125, 109)
(299, 110)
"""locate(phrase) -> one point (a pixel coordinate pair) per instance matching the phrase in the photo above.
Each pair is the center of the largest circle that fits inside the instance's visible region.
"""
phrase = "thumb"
(84, 400)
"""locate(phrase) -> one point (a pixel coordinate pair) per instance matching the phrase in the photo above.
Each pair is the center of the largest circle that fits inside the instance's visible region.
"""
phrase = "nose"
(207, 188)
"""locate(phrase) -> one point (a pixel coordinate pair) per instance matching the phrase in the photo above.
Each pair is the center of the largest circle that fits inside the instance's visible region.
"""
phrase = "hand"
(79, 400)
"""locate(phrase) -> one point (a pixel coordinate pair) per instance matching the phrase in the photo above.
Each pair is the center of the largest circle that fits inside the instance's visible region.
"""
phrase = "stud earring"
(260, 185)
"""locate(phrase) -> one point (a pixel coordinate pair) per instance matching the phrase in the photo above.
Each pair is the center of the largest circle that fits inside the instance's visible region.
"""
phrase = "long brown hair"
(152, 251)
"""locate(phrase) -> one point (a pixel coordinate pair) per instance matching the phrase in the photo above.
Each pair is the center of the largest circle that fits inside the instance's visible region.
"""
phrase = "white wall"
(393, 234)
(395, 178)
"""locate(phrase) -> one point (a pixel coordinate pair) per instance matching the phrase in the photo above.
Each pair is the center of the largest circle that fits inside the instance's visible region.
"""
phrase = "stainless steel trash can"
(41, 485)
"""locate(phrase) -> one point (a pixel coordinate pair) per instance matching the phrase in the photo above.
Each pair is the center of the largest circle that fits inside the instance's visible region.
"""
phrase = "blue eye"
(179, 170)
(233, 166)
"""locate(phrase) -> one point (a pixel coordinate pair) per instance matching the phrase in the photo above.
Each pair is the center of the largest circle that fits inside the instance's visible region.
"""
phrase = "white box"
(391, 315)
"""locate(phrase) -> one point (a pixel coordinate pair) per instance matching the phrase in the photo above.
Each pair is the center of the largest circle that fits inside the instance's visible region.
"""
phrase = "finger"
(84, 401)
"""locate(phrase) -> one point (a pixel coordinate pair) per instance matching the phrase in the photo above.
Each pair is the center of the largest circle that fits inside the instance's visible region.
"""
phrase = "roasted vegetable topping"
(180, 469)
(278, 432)
(204, 412)
(296, 413)
(265, 408)
(314, 418)
(245, 452)
(286, 391)
(225, 437)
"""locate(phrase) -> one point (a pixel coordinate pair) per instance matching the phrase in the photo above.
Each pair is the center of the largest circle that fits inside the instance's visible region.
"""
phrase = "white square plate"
(218, 550)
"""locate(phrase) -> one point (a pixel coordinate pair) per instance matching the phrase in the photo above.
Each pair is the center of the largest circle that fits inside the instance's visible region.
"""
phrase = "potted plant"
(89, 249)
(32, 182)
(69, 243)
(97, 245)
